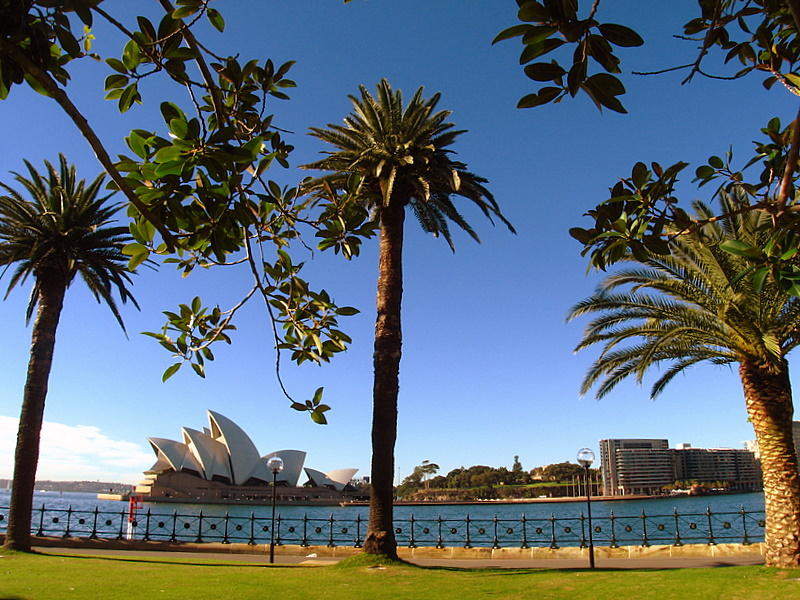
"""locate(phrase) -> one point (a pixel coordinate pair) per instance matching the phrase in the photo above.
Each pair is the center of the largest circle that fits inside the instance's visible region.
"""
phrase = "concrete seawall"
(447, 553)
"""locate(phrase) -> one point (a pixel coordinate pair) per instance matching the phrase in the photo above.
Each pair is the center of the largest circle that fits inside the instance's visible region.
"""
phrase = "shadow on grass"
(175, 561)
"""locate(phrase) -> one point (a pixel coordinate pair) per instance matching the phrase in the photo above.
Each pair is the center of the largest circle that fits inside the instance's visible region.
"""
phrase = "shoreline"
(493, 501)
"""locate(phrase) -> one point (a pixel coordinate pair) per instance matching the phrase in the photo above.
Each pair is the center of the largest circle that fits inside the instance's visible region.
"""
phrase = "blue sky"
(488, 370)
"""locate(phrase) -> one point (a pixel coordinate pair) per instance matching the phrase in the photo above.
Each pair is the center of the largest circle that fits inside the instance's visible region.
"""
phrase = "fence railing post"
(553, 543)
(524, 532)
(495, 542)
(69, 521)
(678, 541)
(411, 542)
(745, 539)
(331, 544)
(174, 538)
(645, 540)
(467, 541)
(252, 540)
(41, 521)
(583, 543)
(358, 532)
(711, 541)
(225, 539)
(121, 532)
(439, 540)
(93, 534)
(304, 541)
(199, 538)
(612, 518)
(147, 525)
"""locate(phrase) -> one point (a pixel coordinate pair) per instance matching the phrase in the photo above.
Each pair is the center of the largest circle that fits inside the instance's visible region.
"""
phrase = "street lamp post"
(274, 464)
(585, 459)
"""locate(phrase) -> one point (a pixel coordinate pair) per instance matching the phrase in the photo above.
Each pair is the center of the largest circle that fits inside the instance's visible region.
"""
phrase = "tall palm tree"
(51, 230)
(402, 158)
(694, 306)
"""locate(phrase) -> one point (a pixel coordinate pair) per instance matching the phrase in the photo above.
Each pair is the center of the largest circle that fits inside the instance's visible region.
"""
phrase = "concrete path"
(311, 560)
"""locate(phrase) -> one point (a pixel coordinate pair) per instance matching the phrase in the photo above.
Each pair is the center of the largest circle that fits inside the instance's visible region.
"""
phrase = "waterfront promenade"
(313, 558)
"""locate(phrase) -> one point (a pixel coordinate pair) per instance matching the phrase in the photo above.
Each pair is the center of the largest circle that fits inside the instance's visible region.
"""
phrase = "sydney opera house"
(222, 465)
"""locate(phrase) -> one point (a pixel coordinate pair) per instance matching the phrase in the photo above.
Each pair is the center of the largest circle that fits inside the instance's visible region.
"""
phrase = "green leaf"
(740, 248)
(318, 418)
(759, 276)
(137, 144)
(115, 81)
(138, 259)
(215, 19)
(179, 127)
(318, 396)
(167, 154)
(35, 85)
(511, 32)
(619, 35)
(533, 11)
(174, 167)
(704, 172)
(128, 97)
(545, 95)
(199, 370)
(134, 249)
(170, 371)
(639, 174)
(183, 11)
(793, 78)
(117, 65)
(544, 71)
(716, 162)
(535, 50)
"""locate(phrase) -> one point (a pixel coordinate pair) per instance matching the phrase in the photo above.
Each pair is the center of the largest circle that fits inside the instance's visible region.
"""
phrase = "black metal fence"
(706, 527)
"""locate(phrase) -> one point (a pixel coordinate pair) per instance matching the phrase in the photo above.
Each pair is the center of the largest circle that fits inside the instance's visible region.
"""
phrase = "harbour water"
(683, 519)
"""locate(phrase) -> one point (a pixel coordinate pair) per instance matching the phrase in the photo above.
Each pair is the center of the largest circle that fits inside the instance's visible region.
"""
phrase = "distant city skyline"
(488, 369)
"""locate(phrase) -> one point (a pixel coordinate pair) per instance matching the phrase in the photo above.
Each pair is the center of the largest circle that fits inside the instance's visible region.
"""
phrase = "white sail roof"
(292, 466)
(210, 453)
(177, 455)
(241, 449)
(337, 479)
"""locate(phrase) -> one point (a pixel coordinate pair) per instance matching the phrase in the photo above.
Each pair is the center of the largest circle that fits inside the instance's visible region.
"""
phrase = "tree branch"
(789, 168)
(61, 97)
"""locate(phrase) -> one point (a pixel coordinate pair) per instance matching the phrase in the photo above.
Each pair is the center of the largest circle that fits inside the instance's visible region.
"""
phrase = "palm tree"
(400, 155)
(694, 306)
(61, 229)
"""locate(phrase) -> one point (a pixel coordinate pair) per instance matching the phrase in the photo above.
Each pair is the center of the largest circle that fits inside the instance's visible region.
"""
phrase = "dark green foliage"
(686, 307)
(390, 152)
(57, 223)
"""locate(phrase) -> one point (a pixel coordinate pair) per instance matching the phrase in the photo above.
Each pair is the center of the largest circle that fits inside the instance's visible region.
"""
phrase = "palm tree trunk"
(386, 362)
(768, 396)
(26, 456)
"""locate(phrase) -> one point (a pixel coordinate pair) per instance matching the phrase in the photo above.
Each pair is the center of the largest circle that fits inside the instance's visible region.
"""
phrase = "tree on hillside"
(389, 157)
(693, 306)
(52, 229)
(562, 471)
(570, 50)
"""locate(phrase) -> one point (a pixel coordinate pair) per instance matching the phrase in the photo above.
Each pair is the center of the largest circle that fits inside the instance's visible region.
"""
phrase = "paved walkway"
(283, 559)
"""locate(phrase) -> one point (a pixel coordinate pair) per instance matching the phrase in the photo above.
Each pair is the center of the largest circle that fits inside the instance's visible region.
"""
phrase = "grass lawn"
(44, 577)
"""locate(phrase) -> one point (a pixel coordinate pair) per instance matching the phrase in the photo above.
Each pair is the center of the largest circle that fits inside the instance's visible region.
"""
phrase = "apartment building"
(645, 466)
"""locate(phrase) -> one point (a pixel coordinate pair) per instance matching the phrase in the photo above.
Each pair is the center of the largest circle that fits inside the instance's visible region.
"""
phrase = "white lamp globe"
(585, 457)
(275, 464)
